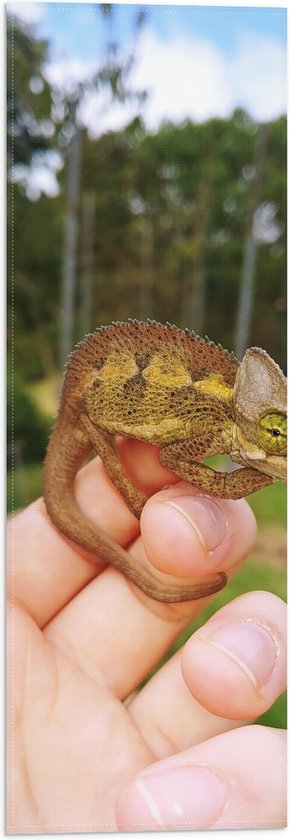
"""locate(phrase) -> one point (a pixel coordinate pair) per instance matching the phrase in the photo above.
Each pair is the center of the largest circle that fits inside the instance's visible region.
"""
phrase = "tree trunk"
(193, 309)
(87, 259)
(70, 242)
(244, 315)
(146, 270)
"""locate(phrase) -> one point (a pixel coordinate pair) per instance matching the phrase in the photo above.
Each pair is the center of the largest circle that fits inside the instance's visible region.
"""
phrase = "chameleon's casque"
(184, 394)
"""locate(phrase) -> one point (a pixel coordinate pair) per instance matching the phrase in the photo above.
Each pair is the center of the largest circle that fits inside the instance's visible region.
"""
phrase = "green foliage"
(191, 186)
(28, 93)
(30, 428)
(37, 233)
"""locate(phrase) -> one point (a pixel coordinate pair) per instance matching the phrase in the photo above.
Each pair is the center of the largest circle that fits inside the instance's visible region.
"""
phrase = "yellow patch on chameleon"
(215, 386)
(118, 368)
(163, 431)
(168, 373)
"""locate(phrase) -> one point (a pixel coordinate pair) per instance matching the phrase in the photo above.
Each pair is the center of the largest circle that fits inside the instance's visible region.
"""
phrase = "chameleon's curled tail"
(61, 464)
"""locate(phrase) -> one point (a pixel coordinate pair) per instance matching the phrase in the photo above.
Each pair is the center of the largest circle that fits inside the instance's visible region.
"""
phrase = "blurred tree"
(30, 138)
(29, 124)
(133, 176)
(165, 179)
(146, 270)
(37, 235)
(29, 432)
(112, 77)
(86, 262)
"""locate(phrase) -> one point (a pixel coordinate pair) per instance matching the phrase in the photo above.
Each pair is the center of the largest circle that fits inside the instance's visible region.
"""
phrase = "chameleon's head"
(260, 398)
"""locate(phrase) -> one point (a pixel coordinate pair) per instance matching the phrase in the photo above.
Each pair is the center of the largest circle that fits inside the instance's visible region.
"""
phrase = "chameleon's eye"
(272, 433)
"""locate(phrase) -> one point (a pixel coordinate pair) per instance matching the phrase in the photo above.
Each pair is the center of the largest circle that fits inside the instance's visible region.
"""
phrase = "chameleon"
(177, 391)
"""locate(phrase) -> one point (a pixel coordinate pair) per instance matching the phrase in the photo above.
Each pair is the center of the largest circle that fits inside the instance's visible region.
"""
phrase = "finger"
(245, 642)
(235, 780)
(141, 461)
(46, 569)
(212, 528)
(113, 627)
(231, 670)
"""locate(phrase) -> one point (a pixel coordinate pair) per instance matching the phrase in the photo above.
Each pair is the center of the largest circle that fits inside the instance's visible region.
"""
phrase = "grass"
(270, 505)
(265, 569)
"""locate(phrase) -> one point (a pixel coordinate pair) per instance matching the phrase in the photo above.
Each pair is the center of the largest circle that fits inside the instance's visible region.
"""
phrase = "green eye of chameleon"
(272, 433)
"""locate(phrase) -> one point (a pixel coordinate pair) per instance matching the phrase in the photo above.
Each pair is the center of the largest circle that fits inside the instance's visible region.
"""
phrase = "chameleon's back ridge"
(148, 337)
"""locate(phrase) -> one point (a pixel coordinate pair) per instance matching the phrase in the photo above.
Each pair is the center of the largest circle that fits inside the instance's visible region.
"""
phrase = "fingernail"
(185, 797)
(249, 645)
(205, 517)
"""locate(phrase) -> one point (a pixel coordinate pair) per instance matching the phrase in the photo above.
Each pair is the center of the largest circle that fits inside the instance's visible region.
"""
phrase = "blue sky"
(194, 61)
(77, 29)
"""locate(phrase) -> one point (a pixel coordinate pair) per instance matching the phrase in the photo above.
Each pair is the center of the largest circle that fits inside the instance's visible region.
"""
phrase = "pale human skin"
(183, 752)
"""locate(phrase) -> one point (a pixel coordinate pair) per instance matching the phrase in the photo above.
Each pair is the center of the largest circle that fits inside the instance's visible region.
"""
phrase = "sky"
(195, 62)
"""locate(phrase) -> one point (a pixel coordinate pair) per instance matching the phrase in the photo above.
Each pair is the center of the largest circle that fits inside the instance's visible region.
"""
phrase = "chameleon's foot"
(105, 446)
(136, 503)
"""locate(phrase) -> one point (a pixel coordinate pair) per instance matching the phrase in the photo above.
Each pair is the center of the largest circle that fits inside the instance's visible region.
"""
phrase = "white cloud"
(258, 77)
(186, 77)
(191, 78)
(29, 13)
(66, 73)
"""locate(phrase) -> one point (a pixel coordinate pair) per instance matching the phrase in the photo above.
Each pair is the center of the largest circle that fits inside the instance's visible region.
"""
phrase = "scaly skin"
(180, 392)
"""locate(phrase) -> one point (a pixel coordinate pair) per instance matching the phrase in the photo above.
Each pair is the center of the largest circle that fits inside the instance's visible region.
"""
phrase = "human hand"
(181, 753)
